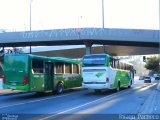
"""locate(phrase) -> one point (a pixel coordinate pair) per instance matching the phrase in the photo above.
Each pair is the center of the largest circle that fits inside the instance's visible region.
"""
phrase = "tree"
(11, 50)
(153, 63)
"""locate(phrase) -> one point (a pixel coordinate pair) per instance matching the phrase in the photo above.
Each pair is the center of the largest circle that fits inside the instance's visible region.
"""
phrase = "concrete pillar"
(3, 51)
(104, 49)
(30, 50)
(88, 50)
(88, 47)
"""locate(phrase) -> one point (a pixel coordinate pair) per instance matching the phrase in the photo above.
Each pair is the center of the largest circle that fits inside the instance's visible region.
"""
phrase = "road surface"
(82, 104)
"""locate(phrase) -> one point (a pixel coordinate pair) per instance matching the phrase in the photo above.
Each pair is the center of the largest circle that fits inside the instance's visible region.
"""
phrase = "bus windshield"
(94, 60)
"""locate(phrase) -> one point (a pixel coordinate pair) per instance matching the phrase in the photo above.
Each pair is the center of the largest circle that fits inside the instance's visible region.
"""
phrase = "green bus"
(27, 72)
(102, 71)
(1, 70)
(1, 66)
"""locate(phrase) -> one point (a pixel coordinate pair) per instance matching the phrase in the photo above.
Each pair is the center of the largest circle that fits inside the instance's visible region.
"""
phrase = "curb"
(158, 86)
(151, 105)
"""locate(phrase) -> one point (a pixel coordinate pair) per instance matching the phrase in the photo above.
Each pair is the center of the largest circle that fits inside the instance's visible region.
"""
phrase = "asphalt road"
(76, 104)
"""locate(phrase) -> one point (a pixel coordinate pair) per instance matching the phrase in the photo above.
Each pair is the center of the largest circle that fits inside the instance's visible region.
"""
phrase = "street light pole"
(30, 21)
(104, 47)
(30, 15)
(79, 18)
(102, 13)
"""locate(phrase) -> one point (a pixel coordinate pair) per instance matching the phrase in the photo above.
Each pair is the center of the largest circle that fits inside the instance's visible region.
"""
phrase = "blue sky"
(58, 14)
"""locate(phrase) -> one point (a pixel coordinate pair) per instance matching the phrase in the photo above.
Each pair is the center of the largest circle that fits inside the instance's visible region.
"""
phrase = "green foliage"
(153, 63)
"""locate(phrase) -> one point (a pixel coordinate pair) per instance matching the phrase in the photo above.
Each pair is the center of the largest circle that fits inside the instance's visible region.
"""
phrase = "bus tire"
(59, 88)
(118, 86)
(130, 84)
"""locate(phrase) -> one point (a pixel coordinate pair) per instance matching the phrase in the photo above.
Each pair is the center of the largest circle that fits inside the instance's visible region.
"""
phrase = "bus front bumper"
(96, 86)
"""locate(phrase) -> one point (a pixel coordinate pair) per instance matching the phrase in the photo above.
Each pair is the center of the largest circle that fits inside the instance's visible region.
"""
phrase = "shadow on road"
(32, 95)
(102, 93)
(37, 95)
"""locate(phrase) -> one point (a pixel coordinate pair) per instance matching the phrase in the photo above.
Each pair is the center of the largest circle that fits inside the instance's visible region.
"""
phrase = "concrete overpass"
(112, 50)
(81, 36)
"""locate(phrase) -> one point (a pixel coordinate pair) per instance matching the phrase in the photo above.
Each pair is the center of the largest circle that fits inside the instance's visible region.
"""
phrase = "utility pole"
(104, 47)
(30, 21)
(30, 15)
(102, 13)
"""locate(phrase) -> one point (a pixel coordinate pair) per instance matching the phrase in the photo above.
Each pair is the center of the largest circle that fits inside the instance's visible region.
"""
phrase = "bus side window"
(59, 67)
(124, 66)
(117, 64)
(37, 66)
(121, 65)
(114, 63)
(75, 68)
(68, 68)
(80, 68)
(128, 67)
(111, 62)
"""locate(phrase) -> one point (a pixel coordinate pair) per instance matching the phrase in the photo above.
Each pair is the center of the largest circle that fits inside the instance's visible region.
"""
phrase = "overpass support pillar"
(88, 47)
(30, 49)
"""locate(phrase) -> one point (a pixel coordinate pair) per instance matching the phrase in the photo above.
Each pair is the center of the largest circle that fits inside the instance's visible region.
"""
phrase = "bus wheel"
(130, 83)
(118, 87)
(60, 88)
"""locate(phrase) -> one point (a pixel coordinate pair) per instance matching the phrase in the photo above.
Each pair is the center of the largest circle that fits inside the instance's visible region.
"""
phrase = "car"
(157, 78)
(141, 77)
(147, 79)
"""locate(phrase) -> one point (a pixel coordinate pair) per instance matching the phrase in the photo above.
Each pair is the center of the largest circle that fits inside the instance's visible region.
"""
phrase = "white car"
(147, 79)
(141, 77)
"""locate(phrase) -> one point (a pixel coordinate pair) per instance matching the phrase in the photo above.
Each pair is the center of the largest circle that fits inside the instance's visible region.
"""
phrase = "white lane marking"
(36, 100)
(81, 105)
(124, 91)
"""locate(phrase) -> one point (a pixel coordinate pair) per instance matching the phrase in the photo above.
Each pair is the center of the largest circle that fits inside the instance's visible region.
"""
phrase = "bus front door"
(49, 75)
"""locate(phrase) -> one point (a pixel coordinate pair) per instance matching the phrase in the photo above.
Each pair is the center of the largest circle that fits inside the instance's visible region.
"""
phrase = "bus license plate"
(13, 83)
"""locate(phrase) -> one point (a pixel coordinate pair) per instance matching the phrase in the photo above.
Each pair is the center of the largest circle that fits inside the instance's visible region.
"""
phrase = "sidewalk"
(152, 104)
(158, 87)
